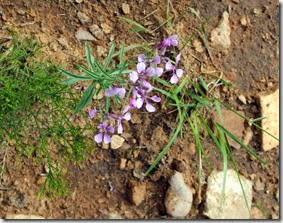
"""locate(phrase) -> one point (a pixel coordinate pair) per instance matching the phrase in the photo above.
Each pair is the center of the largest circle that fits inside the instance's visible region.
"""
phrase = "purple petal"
(156, 60)
(102, 126)
(141, 58)
(139, 103)
(125, 109)
(106, 139)
(150, 71)
(141, 67)
(174, 79)
(173, 37)
(179, 72)
(178, 57)
(92, 113)
(166, 42)
(127, 116)
(169, 66)
(146, 85)
(174, 40)
(134, 76)
(114, 116)
(155, 99)
(110, 129)
(110, 92)
(121, 92)
(133, 103)
(158, 71)
(150, 108)
(98, 137)
(120, 127)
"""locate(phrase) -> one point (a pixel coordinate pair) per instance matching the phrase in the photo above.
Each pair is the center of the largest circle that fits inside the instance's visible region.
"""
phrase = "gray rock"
(82, 34)
(234, 205)
(220, 36)
(179, 197)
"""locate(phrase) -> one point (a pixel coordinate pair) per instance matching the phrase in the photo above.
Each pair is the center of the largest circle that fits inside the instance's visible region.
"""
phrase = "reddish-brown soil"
(251, 64)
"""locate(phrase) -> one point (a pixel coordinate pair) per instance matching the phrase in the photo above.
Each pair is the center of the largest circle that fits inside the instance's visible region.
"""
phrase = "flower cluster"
(142, 90)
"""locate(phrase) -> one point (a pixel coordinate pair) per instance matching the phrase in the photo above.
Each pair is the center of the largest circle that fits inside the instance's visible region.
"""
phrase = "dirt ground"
(101, 187)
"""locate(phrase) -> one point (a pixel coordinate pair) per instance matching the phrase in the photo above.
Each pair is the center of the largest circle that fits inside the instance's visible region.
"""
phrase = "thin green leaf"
(70, 81)
(225, 165)
(109, 56)
(137, 25)
(90, 73)
(218, 109)
(86, 98)
(183, 83)
(239, 142)
(161, 81)
(126, 49)
(200, 100)
(195, 13)
(229, 151)
(164, 92)
(167, 15)
(121, 54)
(107, 106)
(203, 83)
(89, 57)
(75, 76)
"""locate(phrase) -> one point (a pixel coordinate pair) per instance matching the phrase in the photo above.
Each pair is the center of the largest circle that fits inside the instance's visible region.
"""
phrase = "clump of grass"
(35, 113)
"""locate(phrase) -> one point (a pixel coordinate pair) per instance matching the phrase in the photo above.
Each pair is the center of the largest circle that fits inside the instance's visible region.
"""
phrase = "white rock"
(234, 205)
(79, 1)
(270, 109)
(82, 34)
(243, 99)
(23, 216)
(220, 36)
(117, 141)
(179, 197)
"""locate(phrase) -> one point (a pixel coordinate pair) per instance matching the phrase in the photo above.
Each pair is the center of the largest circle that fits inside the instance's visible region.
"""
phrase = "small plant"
(35, 114)
(192, 100)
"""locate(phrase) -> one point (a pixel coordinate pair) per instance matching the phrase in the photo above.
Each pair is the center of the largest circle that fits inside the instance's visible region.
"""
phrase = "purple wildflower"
(92, 113)
(176, 73)
(166, 42)
(104, 129)
(156, 60)
(142, 97)
(115, 91)
(125, 115)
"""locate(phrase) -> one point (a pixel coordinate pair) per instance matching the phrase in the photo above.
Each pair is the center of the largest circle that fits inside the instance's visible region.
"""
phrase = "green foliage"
(104, 77)
(35, 112)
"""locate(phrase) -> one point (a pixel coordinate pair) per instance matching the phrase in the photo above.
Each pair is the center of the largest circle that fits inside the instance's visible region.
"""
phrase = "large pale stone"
(220, 36)
(234, 205)
(179, 197)
(270, 109)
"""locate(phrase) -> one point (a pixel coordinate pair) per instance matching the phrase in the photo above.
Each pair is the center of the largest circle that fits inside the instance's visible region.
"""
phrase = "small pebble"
(137, 192)
(242, 98)
(117, 141)
(122, 164)
(126, 8)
